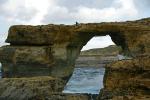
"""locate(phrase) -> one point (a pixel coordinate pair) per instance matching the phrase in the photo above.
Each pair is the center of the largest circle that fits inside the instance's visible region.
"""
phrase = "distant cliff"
(110, 50)
(98, 57)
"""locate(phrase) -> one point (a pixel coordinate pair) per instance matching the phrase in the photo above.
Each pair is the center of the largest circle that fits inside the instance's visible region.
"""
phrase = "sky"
(36, 12)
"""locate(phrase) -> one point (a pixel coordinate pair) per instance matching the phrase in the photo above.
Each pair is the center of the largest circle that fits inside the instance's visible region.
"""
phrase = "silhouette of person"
(77, 23)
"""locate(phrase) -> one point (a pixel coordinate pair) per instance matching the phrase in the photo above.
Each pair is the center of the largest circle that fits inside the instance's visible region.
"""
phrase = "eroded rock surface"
(25, 61)
(34, 88)
(52, 50)
(127, 80)
(62, 43)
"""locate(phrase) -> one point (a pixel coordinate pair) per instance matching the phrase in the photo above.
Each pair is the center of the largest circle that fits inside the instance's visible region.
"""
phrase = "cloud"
(15, 11)
(42, 9)
(2, 1)
(69, 11)
(59, 15)
(72, 4)
(24, 11)
(117, 11)
(143, 7)
(98, 42)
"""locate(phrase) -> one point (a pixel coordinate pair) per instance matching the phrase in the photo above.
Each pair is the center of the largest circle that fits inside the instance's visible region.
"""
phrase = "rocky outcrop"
(25, 61)
(51, 50)
(61, 44)
(36, 88)
(127, 80)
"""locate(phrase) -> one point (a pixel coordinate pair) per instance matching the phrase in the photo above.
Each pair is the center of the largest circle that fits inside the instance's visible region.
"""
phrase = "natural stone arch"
(50, 50)
(54, 48)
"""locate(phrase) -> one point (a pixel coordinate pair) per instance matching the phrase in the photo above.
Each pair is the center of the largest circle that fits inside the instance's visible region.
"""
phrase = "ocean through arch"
(90, 65)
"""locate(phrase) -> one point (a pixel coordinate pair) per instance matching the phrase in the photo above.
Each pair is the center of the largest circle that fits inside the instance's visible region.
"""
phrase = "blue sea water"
(85, 80)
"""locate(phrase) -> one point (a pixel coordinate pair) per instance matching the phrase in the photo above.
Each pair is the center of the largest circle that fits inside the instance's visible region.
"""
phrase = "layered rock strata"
(51, 50)
(36, 88)
(59, 45)
(127, 80)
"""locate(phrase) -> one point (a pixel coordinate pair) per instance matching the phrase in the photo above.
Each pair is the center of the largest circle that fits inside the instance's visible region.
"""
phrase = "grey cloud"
(72, 4)
(143, 7)
(3, 1)
(22, 13)
(67, 15)
(142, 4)
(72, 7)
(58, 18)
(26, 14)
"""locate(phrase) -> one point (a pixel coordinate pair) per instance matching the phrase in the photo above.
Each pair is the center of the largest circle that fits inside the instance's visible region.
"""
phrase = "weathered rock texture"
(56, 47)
(19, 61)
(26, 88)
(52, 50)
(36, 88)
(128, 79)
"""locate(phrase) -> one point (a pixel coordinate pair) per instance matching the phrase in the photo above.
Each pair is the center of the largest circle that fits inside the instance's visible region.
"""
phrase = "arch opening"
(89, 66)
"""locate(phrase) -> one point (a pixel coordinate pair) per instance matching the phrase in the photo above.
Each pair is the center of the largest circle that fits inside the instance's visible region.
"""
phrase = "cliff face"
(111, 50)
(127, 80)
(56, 47)
(52, 49)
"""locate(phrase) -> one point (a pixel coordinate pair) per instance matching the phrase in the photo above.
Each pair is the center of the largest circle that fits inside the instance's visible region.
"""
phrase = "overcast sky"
(68, 12)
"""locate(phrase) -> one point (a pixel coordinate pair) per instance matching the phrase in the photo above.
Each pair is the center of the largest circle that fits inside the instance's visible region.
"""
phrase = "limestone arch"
(59, 45)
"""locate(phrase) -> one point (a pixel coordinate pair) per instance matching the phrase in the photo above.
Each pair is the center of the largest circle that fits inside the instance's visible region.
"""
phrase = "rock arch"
(53, 49)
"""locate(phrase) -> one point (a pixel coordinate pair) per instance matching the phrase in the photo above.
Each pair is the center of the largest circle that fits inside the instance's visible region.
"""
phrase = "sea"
(85, 80)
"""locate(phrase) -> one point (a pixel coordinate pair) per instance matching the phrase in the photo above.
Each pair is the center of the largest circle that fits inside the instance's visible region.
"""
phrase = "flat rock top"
(49, 34)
